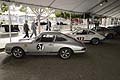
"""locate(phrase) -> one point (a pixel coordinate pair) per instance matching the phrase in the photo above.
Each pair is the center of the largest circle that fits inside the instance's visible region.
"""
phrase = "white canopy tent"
(100, 7)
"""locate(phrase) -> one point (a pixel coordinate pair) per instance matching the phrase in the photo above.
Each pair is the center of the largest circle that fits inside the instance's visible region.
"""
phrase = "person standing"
(48, 27)
(33, 28)
(26, 29)
(96, 24)
(49, 23)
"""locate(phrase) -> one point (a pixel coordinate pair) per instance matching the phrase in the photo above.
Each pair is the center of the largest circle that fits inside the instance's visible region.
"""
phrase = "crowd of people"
(34, 28)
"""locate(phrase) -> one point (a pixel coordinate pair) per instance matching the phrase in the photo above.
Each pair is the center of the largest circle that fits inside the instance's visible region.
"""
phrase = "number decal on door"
(80, 38)
(40, 47)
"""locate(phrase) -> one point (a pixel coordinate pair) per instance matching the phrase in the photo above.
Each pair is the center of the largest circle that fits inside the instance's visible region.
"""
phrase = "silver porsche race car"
(85, 35)
(47, 43)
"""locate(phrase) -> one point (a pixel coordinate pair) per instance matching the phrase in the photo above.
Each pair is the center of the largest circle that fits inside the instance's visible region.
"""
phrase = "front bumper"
(80, 51)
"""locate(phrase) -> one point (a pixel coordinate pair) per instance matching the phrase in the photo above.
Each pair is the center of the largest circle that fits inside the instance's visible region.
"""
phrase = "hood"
(25, 40)
(21, 41)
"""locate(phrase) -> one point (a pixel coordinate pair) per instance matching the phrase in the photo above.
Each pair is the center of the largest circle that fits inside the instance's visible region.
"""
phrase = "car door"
(81, 35)
(100, 30)
(91, 35)
(47, 42)
(42, 45)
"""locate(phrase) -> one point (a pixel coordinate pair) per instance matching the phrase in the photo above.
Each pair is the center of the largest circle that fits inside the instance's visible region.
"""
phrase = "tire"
(65, 53)
(109, 36)
(18, 52)
(95, 41)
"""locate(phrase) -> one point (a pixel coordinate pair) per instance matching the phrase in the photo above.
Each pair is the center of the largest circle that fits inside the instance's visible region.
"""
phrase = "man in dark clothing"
(26, 29)
(48, 26)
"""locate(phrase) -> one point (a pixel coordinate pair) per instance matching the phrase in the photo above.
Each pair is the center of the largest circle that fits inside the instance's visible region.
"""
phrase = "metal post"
(88, 14)
(10, 22)
(70, 22)
(39, 29)
(105, 22)
(84, 16)
(88, 23)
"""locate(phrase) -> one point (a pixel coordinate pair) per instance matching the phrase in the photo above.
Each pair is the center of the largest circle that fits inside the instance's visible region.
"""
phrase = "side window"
(96, 29)
(60, 38)
(47, 38)
(105, 29)
(83, 32)
(78, 33)
(91, 33)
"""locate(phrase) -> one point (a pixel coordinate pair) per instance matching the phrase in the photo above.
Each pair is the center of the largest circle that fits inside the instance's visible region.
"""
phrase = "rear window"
(60, 38)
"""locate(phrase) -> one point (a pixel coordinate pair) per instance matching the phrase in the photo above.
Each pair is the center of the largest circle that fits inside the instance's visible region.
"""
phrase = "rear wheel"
(109, 36)
(18, 52)
(65, 53)
(95, 41)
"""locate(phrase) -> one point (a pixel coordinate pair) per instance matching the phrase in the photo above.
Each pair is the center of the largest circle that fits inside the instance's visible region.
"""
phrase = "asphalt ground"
(101, 62)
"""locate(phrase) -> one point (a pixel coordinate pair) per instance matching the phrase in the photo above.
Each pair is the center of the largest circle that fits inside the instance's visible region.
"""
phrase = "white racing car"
(86, 36)
(47, 43)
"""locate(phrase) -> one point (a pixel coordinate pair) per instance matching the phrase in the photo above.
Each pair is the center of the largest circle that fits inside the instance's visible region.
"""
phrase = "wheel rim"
(17, 52)
(110, 36)
(65, 53)
(95, 41)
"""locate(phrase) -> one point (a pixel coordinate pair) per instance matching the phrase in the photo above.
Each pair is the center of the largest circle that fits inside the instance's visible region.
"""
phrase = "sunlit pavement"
(101, 62)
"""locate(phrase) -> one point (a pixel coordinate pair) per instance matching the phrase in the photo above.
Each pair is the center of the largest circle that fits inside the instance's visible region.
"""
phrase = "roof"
(51, 32)
(107, 8)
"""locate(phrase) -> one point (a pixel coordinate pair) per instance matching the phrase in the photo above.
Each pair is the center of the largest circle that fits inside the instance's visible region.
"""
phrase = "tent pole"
(70, 22)
(9, 22)
(88, 23)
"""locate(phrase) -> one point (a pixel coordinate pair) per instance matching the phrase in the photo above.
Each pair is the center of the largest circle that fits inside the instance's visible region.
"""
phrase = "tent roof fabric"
(109, 8)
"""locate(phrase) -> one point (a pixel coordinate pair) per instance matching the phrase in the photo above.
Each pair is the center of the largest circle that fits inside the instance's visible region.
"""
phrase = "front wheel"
(18, 52)
(65, 53)
(95, 41)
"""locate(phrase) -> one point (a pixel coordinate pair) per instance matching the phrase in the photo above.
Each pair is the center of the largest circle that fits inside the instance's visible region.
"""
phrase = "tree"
(39, 11)
(61, 14)
(58, 13)
(66, 15)
(4, 7)
(23, 9)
